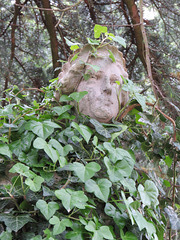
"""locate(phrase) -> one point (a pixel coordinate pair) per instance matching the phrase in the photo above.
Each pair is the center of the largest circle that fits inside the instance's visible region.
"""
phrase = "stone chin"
(102, 113)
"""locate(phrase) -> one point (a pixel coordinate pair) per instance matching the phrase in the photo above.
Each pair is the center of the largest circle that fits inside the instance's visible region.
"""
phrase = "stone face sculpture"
(105, 97)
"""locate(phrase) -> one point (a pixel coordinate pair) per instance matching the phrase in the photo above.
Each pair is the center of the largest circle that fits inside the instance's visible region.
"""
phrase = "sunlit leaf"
(47, 209)
(4, 150)
(100, 188)
(71, 198)
(85, 131)
(35, 184)
(85, 172)
(42, 129)
(149, 193)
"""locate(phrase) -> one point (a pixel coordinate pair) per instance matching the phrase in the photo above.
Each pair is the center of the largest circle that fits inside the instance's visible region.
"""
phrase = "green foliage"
(82, 179)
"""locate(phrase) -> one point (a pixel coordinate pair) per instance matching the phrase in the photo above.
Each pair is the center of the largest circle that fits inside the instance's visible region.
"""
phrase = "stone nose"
(107, 88)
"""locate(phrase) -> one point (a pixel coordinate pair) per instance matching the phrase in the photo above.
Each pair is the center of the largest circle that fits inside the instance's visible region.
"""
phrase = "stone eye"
(114, 78)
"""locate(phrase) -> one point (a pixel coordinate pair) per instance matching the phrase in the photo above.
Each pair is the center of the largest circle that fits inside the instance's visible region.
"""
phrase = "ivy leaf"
(85, 131)
(23, 170)
(116, 154)
(168, 161)
(77, 233)
(119, 219)
(63, 151)
(101, 188)
(85, 172)
(42, 129)
(77, 96)
(47, 209)
(118, 170)
(59, 226)
(14, 223)
(62, 109)
(6, 235)
(99, 234)
(93, 41)
(98, 29)
(40, 143)
(71, 198)
(35, 184)
(128, 235)
(119, 40)
(94, 67)
(149, 193)
(143, 223)
(117, 134)
(30, 158)
(111, 56)
(4, 150)
(100, 129)
(129, 184)
(141, 100)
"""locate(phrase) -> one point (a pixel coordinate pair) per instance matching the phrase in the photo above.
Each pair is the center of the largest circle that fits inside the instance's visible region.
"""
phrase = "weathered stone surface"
(101, 102)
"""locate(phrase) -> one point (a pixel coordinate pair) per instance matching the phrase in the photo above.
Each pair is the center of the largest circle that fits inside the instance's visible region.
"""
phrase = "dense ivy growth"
(71, 177)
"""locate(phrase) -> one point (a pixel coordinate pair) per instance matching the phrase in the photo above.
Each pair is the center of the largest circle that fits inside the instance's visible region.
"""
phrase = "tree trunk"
(52, 34)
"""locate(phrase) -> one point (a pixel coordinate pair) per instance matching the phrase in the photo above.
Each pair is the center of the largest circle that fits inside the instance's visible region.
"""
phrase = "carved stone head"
(96, 73)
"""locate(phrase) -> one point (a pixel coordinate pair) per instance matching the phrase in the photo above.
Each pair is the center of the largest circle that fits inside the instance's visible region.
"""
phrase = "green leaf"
(102, 232)
(77, 233)
(143, 223)
(71, 198)
(119, 40)
(71, 44)
(141, 100)
(119, 170)
(119, 219)
(22, 170)
(128, 236)
(30, 158)
(42, 129)
(117, 134)
(105, 232)
(5, 236)
(62, 109)
(4, 150)
(77, 96)
(129, 184)
(93, 41)
(101, 188)
(111, 56)
(65, 98)
(47, 209)
(63, 151)
(127, 203)
(116, 154)
(40, 143)
(75, 57)
(59, 226)
(94, 67)
(91, 226)
(100, 129)
(167, 160)
(149, 193)
(98, 29)
(85, 172)
(35, 184)
(14, 223)
(85, 131)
